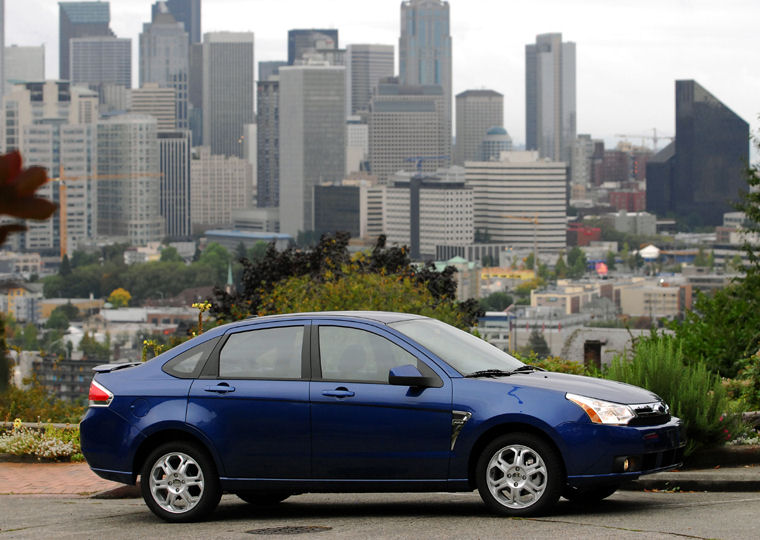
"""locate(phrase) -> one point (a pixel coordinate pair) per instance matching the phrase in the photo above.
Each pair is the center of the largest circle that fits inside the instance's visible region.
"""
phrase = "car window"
(268, 353)
(188, 364)
(351, 354)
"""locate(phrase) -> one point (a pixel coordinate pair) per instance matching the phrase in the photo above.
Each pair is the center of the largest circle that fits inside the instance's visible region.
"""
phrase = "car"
(273, 406)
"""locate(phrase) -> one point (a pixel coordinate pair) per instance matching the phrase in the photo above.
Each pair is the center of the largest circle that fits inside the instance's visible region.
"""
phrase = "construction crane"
(654, 137)
(534, 220)
(62, 198)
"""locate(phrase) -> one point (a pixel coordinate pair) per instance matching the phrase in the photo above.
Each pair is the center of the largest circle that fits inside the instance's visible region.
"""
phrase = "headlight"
(603, 412)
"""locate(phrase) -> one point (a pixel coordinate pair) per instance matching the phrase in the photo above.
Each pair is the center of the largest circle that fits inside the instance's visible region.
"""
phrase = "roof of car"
(384, 317)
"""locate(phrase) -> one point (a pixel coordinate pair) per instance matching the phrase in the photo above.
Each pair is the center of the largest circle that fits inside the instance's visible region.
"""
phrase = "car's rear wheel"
(519, 474)
(179, 482)
(263, 498)
(589, 495)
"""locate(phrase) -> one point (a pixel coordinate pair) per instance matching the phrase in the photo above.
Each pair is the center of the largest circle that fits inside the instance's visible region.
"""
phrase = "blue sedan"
(365, 401)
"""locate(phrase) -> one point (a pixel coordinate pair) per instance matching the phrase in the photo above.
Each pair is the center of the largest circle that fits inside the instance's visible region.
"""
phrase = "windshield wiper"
(527, 367)
(490, 373)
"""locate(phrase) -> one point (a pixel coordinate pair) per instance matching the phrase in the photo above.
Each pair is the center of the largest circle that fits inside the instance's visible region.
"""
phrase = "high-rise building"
(129, 205)
(52, 124)
(520, 200)
(425, 48)
(477, 112)
(496, 141)
(366, 65)
(309, 40)
(195, 93)
(699, 175)
(157, 102)
(357, 144)
(268, 142)
(165, 58)
(23, 64)
(580, 160)
(98, 62)
(407, 122)
(187, 12)
(312, 138)
(77, 20)
(174, 190)
(2, 52)
(218, 185)
(550, 110)
(228, 90)
(269, 68)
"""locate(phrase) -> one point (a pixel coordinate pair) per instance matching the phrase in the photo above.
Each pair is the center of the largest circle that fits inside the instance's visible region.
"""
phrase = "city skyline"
(636, 49)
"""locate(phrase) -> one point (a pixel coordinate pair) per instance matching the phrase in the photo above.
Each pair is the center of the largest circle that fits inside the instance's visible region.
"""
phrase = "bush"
(553, 363)
(50, 443)
(694, 394)
(37, 405)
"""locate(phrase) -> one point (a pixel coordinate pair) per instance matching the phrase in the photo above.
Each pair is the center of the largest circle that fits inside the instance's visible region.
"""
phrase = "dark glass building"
(700, 175)
(304, 40)
(78, 20)
(268, 143)
(188, 12)
(337, 209)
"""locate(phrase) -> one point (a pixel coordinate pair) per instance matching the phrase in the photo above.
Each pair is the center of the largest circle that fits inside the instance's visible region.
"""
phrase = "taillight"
(99, 395)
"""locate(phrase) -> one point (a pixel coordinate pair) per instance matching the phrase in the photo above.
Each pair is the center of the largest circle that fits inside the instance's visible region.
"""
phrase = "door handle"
(221, 388)
(338, 393)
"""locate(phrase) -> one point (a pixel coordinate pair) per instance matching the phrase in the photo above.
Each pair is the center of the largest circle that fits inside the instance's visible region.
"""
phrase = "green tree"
(29, 337)
(57, 320)
(498, 301)
(537, 344)
(577, 263)
(257, 252)
(68, 309)
(65, 268)
(560, 267)
(5, 364)
(93, 349)
(216, 258)
(701, 260)
(610, 261)
(170, 254)
(530, 261)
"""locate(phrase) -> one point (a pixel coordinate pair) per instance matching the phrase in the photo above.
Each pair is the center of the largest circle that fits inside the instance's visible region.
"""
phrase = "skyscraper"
(174, 189)
(23, 64)
(365, 66)
(406, 122)
(160, 103)
(312, 138)
(268, 143)
(76, 20)
(425, 48)
(550, 111)
(165, 58)
(269, 68)
(699, 175)
(301, 41)
(2, 45)
(187, 12)
(477, 112)
(98, 62)
(228, 90)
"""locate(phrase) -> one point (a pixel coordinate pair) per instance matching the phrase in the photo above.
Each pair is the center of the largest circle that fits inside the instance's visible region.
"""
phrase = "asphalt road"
(624, 515)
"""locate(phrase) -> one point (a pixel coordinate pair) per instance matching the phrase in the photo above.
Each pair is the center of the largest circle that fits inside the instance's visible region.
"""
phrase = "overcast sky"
(629, 52)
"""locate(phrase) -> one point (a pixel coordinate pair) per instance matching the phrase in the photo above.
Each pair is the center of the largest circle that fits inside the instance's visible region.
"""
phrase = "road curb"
(121, 492)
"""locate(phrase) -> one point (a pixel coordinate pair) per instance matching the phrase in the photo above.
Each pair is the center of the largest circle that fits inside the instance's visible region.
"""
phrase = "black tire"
(589, 495)
(179, 482)
(519, 474)
(263, 498)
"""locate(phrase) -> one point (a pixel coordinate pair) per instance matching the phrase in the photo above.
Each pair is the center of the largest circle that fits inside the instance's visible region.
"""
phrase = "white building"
(160, 103)
(520, 200)
(23, 64)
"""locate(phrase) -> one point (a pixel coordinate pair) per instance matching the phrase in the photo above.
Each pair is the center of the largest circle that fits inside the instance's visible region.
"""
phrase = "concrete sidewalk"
(76, 479)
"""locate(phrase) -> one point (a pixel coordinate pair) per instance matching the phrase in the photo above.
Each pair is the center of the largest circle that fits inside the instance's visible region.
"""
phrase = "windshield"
(461, 350)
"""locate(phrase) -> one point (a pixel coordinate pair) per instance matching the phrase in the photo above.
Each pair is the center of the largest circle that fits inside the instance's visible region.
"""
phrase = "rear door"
(364, 428)
(253, 401)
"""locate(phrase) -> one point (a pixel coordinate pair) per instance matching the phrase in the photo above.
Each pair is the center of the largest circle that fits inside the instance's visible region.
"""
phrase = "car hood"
(614, 391)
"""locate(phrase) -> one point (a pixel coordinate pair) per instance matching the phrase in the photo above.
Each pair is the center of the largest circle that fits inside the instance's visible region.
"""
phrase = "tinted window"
(357, 355)
(188, 364)
(269, 353)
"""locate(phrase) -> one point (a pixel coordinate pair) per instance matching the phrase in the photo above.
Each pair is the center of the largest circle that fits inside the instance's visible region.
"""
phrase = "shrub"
(552, 363)
(35, 404)
(694, 393)
(50, 443)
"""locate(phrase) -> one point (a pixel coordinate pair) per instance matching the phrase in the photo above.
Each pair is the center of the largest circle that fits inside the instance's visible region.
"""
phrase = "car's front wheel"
(519, 474)
(179, 482)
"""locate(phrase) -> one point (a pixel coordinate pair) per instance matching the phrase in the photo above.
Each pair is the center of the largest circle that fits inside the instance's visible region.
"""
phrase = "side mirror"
(408, 375)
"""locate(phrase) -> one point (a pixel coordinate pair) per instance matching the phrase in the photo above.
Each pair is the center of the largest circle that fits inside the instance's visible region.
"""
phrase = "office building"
(218, 185)
(425, 48)
(187, 12)
(23, 64)
(165, 59)
(157, 102)
(701, 174)
(312, 138)
(98, 62)
(228, 90)
(580, 160)
(406, 122)
(520, 201)
(129, 205)
(2, 48)
(496, 141)
(357, 145)
(301, 41)
(550, 109)
(268, 143)
(270, 68)
(174, 189)
(51, 123)
(477, 112)
(77, 20)
(366, 65)
(195, 93)
(353, 205)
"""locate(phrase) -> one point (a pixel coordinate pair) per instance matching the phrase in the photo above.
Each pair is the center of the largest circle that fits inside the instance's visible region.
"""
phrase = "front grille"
(651, 420)
(666, 458)
(650, 414)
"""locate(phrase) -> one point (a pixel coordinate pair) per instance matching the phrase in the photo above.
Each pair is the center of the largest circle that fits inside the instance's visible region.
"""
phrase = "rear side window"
(188, 364)
(268, 353)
